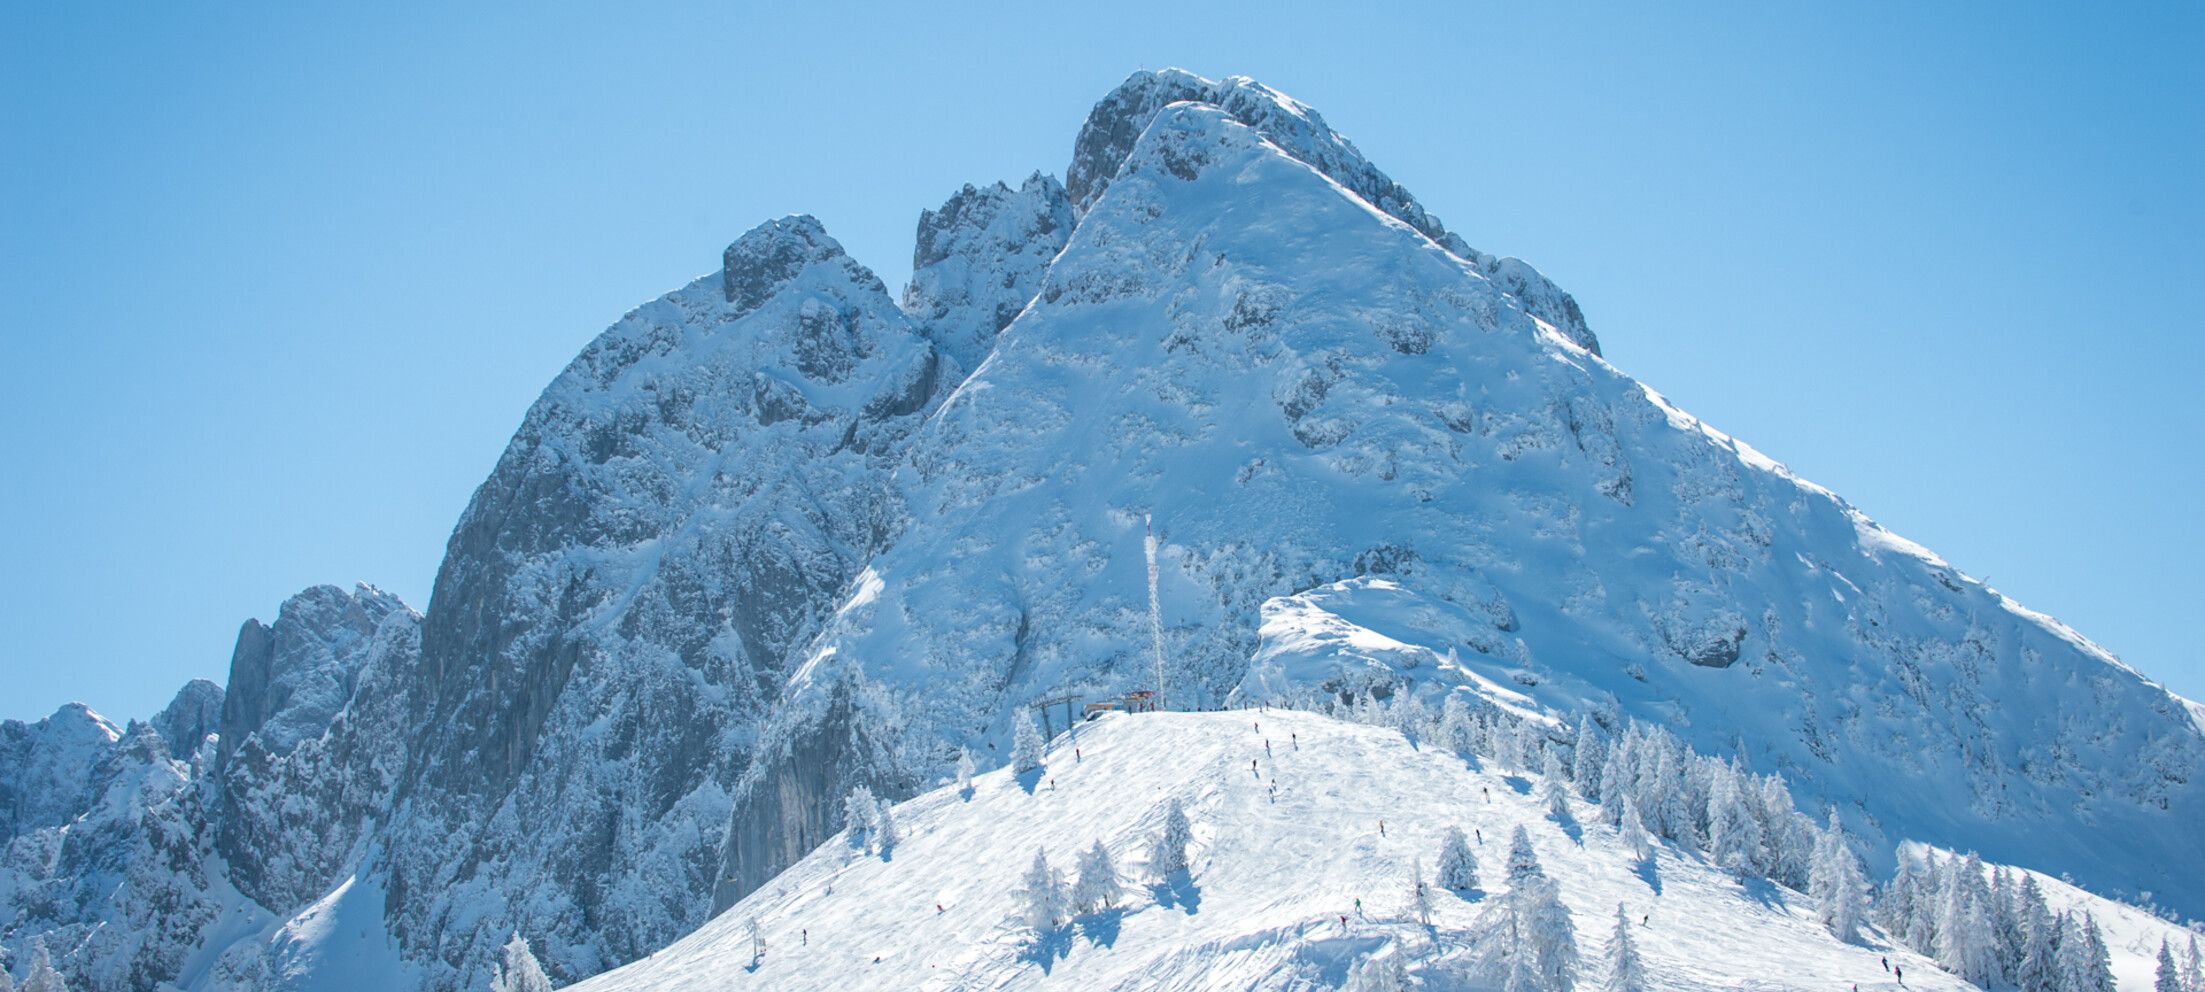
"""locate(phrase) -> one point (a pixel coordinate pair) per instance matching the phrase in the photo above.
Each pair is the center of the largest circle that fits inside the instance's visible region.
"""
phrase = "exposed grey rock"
(48, 768)
(296, 677)
(613, 615)
(979, 258)
(190, 718)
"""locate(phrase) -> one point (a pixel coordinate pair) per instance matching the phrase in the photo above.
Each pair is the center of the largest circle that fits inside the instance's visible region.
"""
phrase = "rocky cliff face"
(773, 535)
(298, 781)
(980, 257)
(611, 621)
(108, 842)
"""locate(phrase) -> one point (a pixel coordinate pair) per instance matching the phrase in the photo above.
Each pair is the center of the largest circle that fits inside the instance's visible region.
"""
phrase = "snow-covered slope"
(1287, 839)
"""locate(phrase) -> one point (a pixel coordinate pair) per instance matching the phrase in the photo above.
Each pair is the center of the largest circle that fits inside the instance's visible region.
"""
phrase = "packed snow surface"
(1287, 839)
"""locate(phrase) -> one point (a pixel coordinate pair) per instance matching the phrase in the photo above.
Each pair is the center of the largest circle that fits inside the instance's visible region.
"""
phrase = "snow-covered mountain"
(779, 534)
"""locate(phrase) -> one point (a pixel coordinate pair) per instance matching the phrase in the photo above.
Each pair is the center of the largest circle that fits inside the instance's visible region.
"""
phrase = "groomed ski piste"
(1286, 840)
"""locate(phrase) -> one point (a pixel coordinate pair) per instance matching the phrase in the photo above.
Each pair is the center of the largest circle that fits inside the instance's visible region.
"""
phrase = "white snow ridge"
(1227, 414)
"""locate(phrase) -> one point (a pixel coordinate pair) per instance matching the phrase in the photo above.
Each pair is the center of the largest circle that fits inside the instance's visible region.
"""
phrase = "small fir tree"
(2085, 965)
(859, 810)
(964, 770)
(1041, 899)
(1096, 886)
(2166, 979)
(1625, 972)
(1458, 868)
(519, 971)
(1589, 759)
(1634, 833)
(1170, 854)
(1379, 974)
(1835, 883)
(1026, 744)
(2037, 971)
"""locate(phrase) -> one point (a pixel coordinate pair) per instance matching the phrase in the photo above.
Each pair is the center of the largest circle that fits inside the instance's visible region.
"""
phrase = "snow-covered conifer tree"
(1458, 868)
(1590, 758)
(1895, 905)
(964, 770)
(1617, 776)
(7, 981)
(1734, 836)
(1026, 744)
(1041, 898)
(1542, 922)
(2193, 969)
(1558, 800)
(42, 977)
(1634, 833)
(2037, 971)
(1376, 974)
(1523, 862)
(1096, 886)
(1837, 885)
(1967, 944)
(1787, 838)
(1170, 854)
(757, 934)
(2166, 979)
(2085, 965)
(859, 811)
(519, 971)
(1625, 972)
(1455, 732)
(2005, 920)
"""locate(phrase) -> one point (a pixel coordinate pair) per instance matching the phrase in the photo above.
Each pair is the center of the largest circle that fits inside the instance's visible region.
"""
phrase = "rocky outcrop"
(284, 832)
(612, 619)
(191, 718)
(979, 258)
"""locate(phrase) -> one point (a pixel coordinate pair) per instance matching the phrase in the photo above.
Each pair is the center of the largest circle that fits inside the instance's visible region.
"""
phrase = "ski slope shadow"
(1178, 891)
(1767, 893)
(1101, 927)
(1048, 947)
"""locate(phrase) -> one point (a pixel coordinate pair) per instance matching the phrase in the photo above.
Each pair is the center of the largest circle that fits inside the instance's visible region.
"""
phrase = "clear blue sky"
(278, 283)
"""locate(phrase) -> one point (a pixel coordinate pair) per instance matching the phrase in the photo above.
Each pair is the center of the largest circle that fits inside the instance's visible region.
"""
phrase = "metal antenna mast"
(1155, 611)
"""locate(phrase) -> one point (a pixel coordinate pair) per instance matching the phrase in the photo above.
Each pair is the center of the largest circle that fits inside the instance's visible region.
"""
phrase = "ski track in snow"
(1270, 879)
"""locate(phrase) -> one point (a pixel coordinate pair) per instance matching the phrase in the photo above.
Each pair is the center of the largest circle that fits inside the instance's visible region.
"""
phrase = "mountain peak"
(1115, 126)
(769, 256)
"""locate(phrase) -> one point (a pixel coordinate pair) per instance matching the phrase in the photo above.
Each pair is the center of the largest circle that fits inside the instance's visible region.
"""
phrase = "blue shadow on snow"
(1177, 891)
(1047, 947)
(1101, 927)
(1649, 873)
